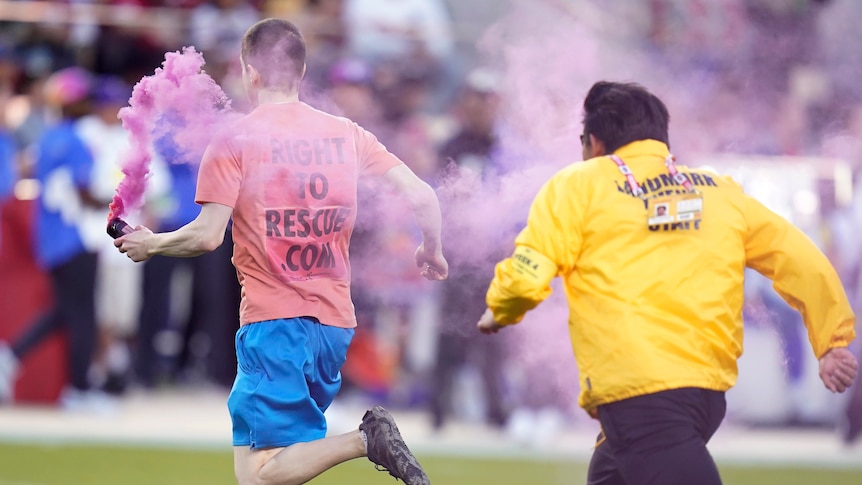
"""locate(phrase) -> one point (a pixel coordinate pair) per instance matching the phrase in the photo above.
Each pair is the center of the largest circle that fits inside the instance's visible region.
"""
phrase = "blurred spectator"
(388, 292)
(190, 307)
(847, 254)
(770, 311)
(43, 49)
(407, 131)
(216, 28)
(839, 39)
(8, 150)
(469, 172)
(699, 35)
(850, 423)
(791, 128)
(118, 280)
(785, 128)
(844, 141)
(322, 24)
(476, 111)
(389, 29)
(9, 72)
(8, 176)
(8, 361)
(371, 364)
(63, 167)
(412, 35)
(350, 88)
(38, 51)
(126, 51)
(7, 165)
(783, 37)
(28, 117)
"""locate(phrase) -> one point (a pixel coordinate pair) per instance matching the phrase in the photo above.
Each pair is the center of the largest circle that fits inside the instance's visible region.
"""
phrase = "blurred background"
(482, 99)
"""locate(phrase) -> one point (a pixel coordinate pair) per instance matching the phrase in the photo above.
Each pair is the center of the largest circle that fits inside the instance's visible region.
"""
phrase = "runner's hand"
(433, 264)
(838, 369)
(135, 244)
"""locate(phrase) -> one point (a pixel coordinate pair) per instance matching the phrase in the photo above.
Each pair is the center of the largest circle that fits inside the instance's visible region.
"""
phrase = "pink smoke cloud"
(179, 100)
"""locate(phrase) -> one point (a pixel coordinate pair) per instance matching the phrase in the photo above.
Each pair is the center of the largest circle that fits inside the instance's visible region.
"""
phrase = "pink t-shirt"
(290, 174)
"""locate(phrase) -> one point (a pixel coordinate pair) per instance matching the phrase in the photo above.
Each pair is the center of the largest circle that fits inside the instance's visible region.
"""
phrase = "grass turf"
(91, 465)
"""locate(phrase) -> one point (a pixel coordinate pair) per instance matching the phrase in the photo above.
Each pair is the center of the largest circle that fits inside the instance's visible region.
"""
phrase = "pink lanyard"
(636, 188)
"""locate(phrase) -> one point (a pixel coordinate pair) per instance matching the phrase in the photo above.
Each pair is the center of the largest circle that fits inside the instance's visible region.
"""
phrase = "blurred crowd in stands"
(762, 77)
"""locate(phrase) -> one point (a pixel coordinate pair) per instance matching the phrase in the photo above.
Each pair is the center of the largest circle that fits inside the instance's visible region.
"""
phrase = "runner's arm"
(202, 235)
(801, 274)
(423, 201)
(426, 208)
(523, 280)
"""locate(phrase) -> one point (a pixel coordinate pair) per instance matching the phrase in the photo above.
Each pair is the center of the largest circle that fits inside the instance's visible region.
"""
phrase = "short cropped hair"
(276, 49)
(621, 113)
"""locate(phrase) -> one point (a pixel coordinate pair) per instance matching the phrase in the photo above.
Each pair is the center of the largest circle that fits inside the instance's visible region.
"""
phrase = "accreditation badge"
(686, 207)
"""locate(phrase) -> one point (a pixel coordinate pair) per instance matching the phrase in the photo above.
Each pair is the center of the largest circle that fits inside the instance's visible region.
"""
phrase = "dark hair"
(620, 113)
(276, 49)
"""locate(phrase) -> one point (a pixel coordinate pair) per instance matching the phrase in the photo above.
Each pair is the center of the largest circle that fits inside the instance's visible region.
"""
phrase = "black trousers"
(459, 344)
(214, 314)
(658, 439)
(74, 310)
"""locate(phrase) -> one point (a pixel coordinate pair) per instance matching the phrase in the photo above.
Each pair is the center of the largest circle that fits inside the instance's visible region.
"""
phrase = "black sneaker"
(387, 450)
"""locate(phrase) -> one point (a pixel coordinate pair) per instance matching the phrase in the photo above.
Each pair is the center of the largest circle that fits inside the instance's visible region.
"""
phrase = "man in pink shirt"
(287, 174)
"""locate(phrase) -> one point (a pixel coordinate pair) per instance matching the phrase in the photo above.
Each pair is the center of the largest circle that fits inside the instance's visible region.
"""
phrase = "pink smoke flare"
(181, 89)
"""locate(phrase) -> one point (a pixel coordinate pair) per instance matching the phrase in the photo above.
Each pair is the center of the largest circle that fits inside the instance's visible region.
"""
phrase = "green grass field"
(124, 465)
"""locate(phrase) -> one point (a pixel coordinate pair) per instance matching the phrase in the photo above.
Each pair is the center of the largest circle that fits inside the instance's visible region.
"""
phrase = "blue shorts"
(288, 373)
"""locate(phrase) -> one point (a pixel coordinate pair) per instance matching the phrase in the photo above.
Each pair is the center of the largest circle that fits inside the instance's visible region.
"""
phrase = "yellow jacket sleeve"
(543, 249)
(801, 274)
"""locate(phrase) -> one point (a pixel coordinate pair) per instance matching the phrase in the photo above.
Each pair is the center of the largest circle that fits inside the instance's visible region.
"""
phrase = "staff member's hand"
(487, 324)
(838, 369)
(136, 244)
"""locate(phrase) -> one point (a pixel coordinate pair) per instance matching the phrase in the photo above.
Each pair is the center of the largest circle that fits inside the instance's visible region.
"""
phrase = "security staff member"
(655, 296)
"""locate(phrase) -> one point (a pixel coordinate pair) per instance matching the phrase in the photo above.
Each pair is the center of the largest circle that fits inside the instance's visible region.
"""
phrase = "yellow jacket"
(660, 307)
